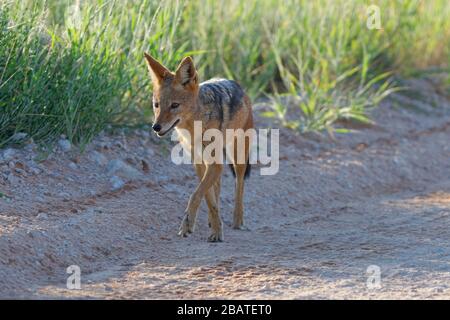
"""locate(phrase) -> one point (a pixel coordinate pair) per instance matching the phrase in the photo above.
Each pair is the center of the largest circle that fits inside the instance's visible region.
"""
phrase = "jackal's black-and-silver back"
(221, 99)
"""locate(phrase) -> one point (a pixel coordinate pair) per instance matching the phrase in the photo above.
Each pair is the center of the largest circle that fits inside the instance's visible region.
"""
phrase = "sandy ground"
(379, 196)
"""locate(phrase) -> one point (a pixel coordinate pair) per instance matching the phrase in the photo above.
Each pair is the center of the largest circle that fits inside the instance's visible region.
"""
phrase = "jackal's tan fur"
(179, 100)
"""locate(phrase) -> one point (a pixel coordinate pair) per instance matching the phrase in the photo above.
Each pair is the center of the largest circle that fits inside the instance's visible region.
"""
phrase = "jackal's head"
(174, 94)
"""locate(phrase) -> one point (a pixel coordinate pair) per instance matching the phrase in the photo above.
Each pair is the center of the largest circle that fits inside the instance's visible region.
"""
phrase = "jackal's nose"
(157, 127)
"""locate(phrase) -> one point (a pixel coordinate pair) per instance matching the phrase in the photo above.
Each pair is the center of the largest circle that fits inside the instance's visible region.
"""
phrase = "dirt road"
(377, 198)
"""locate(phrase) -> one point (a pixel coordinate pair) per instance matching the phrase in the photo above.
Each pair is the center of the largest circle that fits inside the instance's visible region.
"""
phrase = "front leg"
(215, 223)
(186, 225)
(211, 175)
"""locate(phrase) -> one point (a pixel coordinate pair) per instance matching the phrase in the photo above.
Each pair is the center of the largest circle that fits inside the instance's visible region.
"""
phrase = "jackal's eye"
(156, 105)
(174, 105)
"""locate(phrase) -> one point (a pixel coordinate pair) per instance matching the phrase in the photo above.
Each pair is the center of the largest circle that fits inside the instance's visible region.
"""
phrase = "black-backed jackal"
(179, 100)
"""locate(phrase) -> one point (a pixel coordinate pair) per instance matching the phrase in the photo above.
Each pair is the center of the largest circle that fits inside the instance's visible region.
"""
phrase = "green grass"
(71, 67)
(50, 86)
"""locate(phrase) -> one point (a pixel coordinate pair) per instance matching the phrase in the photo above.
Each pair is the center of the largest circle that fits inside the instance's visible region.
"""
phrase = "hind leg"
(238, 216)
(240, 168)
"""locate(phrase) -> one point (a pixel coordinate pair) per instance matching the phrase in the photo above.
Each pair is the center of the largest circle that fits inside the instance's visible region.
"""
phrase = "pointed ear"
(186, 73)
(157, 71)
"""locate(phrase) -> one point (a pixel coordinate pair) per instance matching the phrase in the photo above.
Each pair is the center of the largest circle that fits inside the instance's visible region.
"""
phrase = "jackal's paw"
(241, 227)
(186, 227)
(238, 224)
(216, 236)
